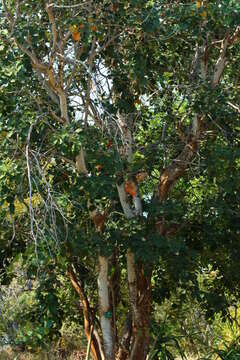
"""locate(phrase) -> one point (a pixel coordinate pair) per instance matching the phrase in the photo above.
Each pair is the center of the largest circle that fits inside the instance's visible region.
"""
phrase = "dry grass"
(51, 354)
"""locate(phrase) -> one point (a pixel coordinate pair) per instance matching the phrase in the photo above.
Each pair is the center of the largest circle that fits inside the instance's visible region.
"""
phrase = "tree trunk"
(105, 308)
(123, 351)
(139, 285)
(96, 350)
(141, 315)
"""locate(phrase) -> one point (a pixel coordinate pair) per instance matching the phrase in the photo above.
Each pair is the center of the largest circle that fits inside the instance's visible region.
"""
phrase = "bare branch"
(124, 202)
(235, 36)
(80, 163)
(126, 136)
(220, 64)
(75, 67)
(177, 167)
(58, 118)
(12, 20)
(200, 62)
(49, 9)
(235, 107)
(49, 90)
(82, 4)
(90, 61)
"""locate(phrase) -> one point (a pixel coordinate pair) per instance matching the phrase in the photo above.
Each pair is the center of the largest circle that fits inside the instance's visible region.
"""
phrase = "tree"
(122, 98)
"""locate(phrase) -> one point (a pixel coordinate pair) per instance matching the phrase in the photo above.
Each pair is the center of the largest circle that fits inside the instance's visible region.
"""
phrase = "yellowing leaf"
(47, 34)
(198, 4)
(204, 14)
(73, 28)
(3, 134)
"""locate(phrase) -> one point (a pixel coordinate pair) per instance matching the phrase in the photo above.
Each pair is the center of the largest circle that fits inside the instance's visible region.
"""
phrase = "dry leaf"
(130, 188)
(76, 36)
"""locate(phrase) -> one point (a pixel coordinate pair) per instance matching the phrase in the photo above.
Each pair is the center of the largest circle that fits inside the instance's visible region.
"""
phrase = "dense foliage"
(119, 129)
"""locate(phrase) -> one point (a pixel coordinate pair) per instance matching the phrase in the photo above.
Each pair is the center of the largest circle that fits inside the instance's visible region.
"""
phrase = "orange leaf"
(93, 28)
(130, 188)
(76, 36)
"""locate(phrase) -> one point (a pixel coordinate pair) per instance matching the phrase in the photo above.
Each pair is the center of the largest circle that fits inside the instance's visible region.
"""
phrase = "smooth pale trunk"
(139, 290)
(63, 105)
(137, 205)
(104, 308)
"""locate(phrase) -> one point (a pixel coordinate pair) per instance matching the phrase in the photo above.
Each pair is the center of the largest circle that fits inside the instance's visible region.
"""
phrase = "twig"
(91, 58)
(234, 106)
(31, 211)
(49, 9)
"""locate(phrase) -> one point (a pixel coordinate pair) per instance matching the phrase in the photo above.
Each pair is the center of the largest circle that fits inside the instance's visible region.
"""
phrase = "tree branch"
(49, 9)
(220, 64)
(91, 58)
(235, 107)
(88, 321)
(169, 176)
